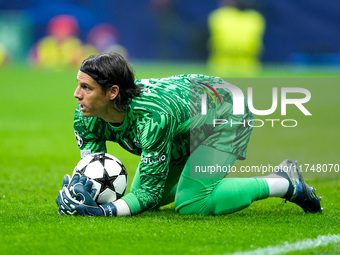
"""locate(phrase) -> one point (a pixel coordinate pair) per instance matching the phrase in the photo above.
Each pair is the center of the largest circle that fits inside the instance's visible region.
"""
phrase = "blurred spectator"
(4, 58)
(15, 37)
(104, 38)
(61, 48)
(170, 29)
(235, 39)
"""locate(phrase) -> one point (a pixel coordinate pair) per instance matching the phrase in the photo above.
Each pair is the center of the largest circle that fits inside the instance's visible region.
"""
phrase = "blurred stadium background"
(42, 43)
(302, 32)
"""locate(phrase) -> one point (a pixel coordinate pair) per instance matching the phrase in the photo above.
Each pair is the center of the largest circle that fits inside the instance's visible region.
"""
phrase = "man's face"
(93, 102)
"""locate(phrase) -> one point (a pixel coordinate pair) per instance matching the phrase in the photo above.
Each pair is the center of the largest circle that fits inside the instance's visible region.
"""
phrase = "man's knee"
(192, 205)
(183, 207)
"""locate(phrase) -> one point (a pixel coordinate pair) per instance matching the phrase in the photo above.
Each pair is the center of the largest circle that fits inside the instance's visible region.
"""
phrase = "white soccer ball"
(107, 173)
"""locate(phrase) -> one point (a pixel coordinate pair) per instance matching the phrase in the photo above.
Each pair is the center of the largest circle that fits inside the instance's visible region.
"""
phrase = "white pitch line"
(289, 247)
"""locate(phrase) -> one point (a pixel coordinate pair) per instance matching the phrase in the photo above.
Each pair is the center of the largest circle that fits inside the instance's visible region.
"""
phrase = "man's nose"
(77, 93)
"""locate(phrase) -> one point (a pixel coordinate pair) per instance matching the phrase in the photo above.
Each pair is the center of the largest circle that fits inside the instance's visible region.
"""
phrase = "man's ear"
(113, 91)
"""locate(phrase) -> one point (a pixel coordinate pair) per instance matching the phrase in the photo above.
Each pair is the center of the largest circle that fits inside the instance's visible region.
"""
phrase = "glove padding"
(76, 198)
(67, 183)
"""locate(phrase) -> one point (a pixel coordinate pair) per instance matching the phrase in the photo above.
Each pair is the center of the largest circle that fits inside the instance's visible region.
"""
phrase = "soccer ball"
(107, 173)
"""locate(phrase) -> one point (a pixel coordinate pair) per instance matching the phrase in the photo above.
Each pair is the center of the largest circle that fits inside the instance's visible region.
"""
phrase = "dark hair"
(110, 69)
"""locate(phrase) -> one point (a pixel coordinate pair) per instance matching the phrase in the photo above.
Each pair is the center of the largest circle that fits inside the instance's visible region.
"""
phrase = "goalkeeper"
(162, 120)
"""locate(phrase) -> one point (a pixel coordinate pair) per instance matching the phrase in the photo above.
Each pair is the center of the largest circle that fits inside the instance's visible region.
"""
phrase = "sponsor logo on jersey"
(153, 159)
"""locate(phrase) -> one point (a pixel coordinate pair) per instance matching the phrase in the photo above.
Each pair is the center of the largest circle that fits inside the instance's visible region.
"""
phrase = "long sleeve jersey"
(157, 127)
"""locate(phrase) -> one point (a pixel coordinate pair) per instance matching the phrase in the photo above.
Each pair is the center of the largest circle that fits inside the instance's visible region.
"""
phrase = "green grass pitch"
(38, 147)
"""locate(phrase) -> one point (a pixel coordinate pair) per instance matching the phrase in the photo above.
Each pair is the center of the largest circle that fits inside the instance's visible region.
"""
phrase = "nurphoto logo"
(238, 100)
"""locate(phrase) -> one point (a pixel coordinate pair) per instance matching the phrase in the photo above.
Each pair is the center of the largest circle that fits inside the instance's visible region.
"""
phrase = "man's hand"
(67, 184)
(86, 206)
(66, 181)
(76, 195)
(76, 198)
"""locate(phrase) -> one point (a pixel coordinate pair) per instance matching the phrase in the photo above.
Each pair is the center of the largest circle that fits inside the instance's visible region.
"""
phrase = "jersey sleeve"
(155, 136)
(88, 132)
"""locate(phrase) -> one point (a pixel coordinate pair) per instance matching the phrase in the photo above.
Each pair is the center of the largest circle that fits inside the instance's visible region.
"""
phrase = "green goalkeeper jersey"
(162, 124)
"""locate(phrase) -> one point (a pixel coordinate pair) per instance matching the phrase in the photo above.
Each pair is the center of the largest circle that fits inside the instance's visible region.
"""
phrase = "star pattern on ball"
(81, 171)
(99, 157)
(106, 181)
(123, 171)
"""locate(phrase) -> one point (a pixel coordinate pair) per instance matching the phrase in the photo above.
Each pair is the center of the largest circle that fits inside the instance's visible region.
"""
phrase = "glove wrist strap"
(109, 209)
